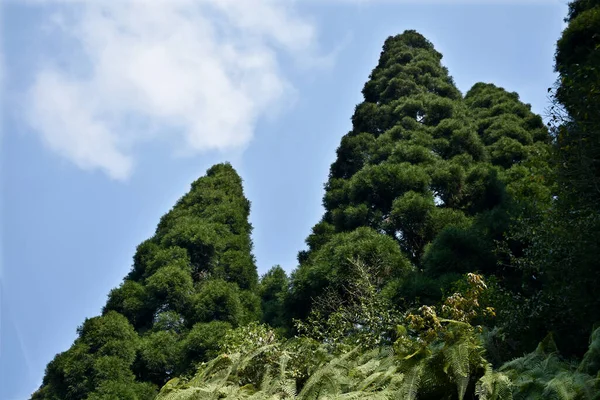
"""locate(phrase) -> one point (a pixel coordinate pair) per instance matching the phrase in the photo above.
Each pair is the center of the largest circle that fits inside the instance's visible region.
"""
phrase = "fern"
(457, 358)
(542, 374)
(451, 360)
(380, 374)
(493, 386)
(352, 375)
(412, 380)
(591, 360)
(328, 379)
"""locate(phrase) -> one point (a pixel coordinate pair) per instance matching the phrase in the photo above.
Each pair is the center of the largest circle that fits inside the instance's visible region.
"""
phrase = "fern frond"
(493, 386)
(411, 383)
(561, 387)
(457, 360)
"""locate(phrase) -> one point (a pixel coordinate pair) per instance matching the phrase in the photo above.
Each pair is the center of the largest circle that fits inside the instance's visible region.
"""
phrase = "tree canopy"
(433, 174)
(190, 282)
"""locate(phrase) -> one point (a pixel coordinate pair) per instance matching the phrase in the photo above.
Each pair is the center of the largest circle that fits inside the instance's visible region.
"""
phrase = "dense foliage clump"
(433, 176)
(456, 258)
(190, 283)
(437, 354)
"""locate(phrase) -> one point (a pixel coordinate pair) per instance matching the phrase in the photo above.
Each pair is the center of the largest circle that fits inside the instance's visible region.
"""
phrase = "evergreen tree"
(513, 183)
(273, 290)
(190, 283)
(397, 172)
(429, 173)
(516, 141)
(577, 98)
(565, 241)
(569, 256)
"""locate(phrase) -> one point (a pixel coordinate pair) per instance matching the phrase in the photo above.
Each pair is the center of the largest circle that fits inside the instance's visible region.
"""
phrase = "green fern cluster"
(382, 374)
(442, 368)
(542, 374)
(434, 358)
(353, 375)
(439, 371)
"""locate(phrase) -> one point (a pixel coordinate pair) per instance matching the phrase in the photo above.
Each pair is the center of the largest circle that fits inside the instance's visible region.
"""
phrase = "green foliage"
(117, 382)
(170, 256)
(591, 360)
(458, 250)
(434, 356)
(557, 242)
(159, 322)
(411, 124)
(211, 224)
(494, 385)
(542, 374)
(352, 375)
(441, 351)
(217, 300)
(331, 268)
(170, 288)
(573, 268)
(110, 335)
(168, 321)
(159, 356)
(359, 317)
(421, 221)
(114, 390)
(256, 346)
(247, 339)
(131, 300)
(273, 290)
(440, 175)
(516, 139)
(251, 306)
(97, 366)
(68, 375)
(560, 263)
(203, 341)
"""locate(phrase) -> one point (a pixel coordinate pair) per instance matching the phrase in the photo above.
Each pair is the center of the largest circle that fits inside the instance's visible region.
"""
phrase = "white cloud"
(71, 125)
(201, 71)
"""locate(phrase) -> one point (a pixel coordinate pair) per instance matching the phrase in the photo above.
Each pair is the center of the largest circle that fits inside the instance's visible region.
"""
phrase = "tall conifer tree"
(400, 173)
(193, 280)
(566, 243)
(420, 166)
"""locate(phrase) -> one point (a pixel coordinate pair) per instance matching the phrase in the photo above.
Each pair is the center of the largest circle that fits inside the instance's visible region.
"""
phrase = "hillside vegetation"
(457, 258)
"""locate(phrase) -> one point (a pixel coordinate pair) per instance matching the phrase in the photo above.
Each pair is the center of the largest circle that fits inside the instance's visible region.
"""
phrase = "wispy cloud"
(199, 71)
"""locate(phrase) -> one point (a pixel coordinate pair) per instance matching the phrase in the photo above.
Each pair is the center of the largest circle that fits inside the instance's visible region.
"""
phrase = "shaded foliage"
(560, 261)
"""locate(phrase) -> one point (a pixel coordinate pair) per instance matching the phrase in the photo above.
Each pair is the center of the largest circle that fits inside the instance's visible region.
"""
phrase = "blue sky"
(111, 111)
